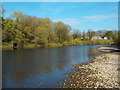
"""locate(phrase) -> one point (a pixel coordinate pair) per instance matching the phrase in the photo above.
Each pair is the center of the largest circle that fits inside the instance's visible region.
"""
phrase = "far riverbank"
(65, 44)
(101, 72)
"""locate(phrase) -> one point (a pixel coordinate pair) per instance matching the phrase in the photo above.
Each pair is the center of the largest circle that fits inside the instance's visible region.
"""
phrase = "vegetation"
(30, 30)
(116, 38)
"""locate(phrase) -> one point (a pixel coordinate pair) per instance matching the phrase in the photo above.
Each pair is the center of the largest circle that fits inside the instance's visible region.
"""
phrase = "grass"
(88, 42)
(5, 44)
(74, 42)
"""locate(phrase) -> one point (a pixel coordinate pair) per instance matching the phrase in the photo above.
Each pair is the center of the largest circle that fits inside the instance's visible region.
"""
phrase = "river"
(42, 67)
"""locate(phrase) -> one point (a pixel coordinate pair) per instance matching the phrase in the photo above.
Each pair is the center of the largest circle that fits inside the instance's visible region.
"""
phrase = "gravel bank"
(112, 48)
(102, 72)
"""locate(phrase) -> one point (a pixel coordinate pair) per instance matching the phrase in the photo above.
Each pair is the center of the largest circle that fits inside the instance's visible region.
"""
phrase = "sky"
(79, 15)
(60, 1)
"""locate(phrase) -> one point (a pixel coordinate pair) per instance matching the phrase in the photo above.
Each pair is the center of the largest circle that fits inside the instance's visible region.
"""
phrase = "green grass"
(88, 42)
(29, 44)
(5, 44)
(74, 42)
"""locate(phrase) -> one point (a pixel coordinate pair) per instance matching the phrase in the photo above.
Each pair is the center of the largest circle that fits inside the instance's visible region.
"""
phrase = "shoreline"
(101, 72)
(40, 46)
(64, 44)
(47, 46)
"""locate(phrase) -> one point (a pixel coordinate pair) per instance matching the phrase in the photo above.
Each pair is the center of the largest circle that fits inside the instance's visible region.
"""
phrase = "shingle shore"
(102, 72)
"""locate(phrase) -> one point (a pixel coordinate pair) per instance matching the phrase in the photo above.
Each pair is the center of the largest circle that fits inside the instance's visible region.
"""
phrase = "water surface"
(42, 67)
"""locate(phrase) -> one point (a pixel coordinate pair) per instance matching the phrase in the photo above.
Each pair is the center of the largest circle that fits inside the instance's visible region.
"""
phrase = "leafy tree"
(116, 38)
(41, 32)
(17, 16)
(77, 34)
(41, 35)
(23, 28)
(8, 33)
(109, 34)
(62, 32)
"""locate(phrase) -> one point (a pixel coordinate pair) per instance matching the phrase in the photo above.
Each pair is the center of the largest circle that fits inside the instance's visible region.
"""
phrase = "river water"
(42, 67)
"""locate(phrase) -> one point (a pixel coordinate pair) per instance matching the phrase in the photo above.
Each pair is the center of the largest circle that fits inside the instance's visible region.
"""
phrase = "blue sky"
(79, 15)
(60, 0)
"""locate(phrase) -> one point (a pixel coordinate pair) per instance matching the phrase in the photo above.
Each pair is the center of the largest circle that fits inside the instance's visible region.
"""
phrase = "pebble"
(101, 73)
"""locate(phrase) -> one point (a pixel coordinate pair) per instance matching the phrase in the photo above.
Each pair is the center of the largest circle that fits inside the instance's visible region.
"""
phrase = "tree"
(77, 34)
(83, 35)
(100, 33)
(41, 35)
(18, 16)
(109, 34)
(90, 34)
(116, 38)
(8, 33)
(51, 33)
(62, 32)
(42, 31)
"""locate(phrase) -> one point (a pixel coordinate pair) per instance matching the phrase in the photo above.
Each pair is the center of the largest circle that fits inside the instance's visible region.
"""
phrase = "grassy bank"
(75, 42)
(26, 45)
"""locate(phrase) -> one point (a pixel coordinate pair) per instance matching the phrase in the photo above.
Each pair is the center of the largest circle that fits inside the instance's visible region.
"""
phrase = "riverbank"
(101, 72)
(75, 42)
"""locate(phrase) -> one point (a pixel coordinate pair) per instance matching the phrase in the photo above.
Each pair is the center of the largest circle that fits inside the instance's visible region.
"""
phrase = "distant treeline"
(25, 29)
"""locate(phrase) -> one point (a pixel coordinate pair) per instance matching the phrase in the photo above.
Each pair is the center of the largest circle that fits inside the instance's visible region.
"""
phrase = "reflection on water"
(42, 67)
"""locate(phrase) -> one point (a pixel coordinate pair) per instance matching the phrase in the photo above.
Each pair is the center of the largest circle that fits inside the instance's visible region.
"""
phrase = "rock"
(102, 72)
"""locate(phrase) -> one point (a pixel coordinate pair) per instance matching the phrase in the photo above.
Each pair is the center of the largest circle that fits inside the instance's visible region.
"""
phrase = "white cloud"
(100, 17)
(84, 19)
(69, 21)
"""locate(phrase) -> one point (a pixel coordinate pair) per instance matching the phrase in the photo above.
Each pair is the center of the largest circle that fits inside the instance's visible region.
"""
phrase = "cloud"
(69, 21)
(85, 19)
(100, 17)
(95, 17)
